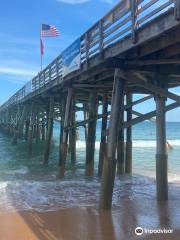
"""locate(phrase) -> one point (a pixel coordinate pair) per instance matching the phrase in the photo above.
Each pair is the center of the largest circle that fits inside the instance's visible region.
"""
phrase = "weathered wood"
(177, 9)
(109, 167)
(85, 111)
(37, 127)
(50, 130)
(62, 114)
(19, 127)
(43, 129)
(161, 154)
(91, 136)
(140, 81)
(128, 165)
(149, 115)
(102, 150)
(15, 127)
(30, 133)
(27, 123)
(153, 62)
(120, 147)
(133, 20)
(73, 135)
(64, 145)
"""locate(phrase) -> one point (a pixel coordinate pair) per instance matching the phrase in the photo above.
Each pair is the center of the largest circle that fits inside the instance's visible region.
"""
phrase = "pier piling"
(49, 130)
(128, 165)
(120, 146)
(64, 144)
(109, 167)
(91, 135)
(102, 150)
(161, 152)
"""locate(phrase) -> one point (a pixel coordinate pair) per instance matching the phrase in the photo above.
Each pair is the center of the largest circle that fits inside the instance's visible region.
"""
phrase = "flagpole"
(41, 58)
(41, 47)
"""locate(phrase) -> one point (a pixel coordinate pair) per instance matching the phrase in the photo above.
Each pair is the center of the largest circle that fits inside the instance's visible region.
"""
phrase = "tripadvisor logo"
(139, 231)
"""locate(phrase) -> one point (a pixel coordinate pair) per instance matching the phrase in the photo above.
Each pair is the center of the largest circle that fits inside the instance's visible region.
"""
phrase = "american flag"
(49, 31)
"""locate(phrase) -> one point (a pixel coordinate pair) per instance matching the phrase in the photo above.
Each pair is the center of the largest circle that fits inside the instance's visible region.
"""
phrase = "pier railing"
(123, 20)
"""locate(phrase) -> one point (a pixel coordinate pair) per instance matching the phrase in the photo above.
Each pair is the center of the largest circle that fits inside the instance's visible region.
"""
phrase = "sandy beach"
(92, 224)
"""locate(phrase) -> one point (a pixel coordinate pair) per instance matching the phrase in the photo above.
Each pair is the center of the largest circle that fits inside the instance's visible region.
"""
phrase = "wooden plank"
(152, 62)
(155, 11)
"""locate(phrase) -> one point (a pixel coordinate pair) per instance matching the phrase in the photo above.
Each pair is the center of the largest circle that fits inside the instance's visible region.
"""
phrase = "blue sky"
(19, 37)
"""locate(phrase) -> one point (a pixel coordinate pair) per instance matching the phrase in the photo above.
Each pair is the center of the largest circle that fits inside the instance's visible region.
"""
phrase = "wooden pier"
(133, 49)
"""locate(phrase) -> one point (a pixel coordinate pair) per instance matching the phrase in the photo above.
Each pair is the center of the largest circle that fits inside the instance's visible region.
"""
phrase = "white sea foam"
(23, 170)
(76, 192)
(136, 143)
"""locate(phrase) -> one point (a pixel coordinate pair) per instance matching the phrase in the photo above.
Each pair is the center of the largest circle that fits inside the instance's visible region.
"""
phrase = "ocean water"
(26, 184)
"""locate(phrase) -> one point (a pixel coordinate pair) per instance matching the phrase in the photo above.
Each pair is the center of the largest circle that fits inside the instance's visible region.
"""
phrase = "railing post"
(44, 78)
(39, 80)
(101, 39)
(177, 9)
(57, 68)
(134, 19)
(35, 83)
(50, 73)
(87, 49)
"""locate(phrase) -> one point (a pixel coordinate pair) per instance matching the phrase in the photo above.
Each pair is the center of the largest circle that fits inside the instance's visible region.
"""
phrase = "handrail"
(123, 20)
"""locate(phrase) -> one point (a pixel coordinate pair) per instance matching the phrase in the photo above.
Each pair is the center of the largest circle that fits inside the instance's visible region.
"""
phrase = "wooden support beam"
(87, 119)
(37, 127)
(177, 9)
(15, 127)
(140, 81)
(92, 86)
(62, 114)
(43, 129)
(161, 153)
(149, 115)
(109, 167)
(128, 164)
(138, 114)
(85, 110)
(91, 136)
(133, 4)
(152, 62)
(102, 150)
(72, 135)
(120, 146)
(64, 145)
(30, 133)
(50, 130)
(27, 123)
(19, 126)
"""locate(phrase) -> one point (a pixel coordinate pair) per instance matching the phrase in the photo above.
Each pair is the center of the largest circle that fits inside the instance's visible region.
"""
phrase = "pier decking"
(133, 49)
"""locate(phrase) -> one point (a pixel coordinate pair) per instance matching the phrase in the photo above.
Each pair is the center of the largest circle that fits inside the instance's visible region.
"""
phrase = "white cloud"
(73, 1)
(83, 1)
(15, 71)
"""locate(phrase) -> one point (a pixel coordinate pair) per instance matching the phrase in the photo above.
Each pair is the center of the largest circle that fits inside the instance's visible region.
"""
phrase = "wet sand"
(91, 224)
